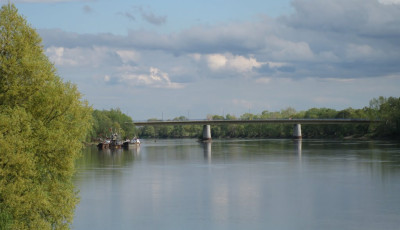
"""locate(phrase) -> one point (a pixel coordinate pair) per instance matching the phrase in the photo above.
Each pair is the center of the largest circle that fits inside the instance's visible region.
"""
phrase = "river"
(241, 184)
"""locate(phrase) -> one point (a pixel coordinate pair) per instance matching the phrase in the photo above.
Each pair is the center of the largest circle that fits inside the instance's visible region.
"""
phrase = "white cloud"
(216, 61)
(55, 53)
(154, 79)
(232, 62)
(242, 64)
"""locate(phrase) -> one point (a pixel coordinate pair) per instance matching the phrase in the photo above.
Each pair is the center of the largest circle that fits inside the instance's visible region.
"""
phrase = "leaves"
(112, 119)
(43, 122)
(388, 110)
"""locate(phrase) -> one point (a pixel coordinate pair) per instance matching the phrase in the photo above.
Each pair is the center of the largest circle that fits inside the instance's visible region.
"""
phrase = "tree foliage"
(114, 119)
(387, 110)
(170, 131)
(42, 124)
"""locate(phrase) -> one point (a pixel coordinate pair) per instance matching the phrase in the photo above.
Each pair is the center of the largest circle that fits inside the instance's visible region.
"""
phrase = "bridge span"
(296, 122)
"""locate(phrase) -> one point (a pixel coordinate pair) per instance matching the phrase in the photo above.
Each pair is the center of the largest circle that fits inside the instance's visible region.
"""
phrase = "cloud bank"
(338, 42)
(333, 38)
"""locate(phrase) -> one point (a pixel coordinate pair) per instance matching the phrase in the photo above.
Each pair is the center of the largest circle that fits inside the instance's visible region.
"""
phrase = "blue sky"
(156, 59)
(120, 16)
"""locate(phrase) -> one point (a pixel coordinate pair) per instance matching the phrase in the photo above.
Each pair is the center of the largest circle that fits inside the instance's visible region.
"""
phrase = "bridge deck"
(266, 121)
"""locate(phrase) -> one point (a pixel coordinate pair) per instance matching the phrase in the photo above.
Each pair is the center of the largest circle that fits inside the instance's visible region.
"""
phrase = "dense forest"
(387, 110)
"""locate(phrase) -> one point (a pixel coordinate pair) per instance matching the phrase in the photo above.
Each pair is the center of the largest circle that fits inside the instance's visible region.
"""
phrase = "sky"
(164, 59)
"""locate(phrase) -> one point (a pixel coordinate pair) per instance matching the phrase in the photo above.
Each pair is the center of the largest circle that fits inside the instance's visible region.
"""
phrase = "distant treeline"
(106, 122)
(385, 109)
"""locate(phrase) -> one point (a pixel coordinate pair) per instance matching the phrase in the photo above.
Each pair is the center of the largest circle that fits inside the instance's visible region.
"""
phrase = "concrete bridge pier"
(297, 131)
(206, 133)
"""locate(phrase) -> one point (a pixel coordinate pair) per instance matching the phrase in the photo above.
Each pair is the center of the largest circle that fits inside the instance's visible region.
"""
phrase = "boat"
(131, 143)
(111, 143)
(104, 144)
(115, 142)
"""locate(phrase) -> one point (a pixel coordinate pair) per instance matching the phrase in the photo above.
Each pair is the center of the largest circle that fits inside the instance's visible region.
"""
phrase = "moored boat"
(115, 142)
(111, 143)
(104, 144)
(131, 143)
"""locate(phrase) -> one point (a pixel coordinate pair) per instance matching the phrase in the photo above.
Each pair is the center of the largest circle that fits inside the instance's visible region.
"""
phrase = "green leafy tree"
(387, 110)
(114, 119)
(148, 131)
(101, 124)
(178, 130)
(43, 122)
(163, 131)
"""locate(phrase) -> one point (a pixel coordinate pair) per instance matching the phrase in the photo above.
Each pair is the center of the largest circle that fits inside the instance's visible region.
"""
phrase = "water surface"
(241, 184)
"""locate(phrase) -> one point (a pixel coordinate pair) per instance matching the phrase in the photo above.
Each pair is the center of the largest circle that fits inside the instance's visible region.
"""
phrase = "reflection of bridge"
(296, 122)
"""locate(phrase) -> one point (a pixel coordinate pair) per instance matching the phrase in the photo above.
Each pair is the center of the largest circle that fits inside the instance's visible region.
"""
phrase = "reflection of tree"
(379, 157)
(110, 158)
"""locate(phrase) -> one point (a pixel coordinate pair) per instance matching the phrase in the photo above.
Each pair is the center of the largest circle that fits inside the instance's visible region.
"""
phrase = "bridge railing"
(256, 121)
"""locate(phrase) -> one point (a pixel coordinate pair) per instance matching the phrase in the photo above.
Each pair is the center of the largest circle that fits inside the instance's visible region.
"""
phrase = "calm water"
(241, 184)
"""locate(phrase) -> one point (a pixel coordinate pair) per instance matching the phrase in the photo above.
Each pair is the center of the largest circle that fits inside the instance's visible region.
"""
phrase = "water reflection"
(109, 158)
(207, 150)
(241, 184)
(298, 146)
(135, 151)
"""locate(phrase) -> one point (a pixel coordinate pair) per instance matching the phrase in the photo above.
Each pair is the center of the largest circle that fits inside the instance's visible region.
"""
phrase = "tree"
(112, 119)
(43, 122)
(388, 110)
(178, 130)
(101, 124)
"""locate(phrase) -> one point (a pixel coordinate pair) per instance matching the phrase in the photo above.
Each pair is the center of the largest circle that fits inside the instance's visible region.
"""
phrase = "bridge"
(296, 122)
